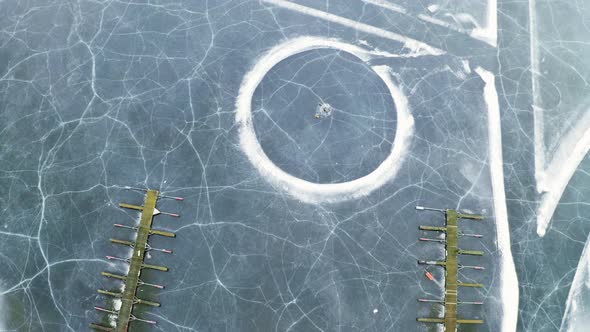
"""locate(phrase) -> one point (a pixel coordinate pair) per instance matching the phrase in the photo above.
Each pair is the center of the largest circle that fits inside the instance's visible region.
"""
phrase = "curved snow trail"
(576, 316)
(571, 150)
(509, 284)
(309, 191)
(489, 33)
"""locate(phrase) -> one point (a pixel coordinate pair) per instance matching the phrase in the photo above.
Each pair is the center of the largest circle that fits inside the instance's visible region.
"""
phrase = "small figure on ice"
(323, 110)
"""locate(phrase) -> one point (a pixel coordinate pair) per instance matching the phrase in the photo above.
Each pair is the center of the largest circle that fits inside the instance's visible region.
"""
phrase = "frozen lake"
(301, 134)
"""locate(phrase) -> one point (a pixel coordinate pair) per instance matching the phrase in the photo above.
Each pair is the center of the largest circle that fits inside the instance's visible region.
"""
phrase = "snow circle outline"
(306, 191)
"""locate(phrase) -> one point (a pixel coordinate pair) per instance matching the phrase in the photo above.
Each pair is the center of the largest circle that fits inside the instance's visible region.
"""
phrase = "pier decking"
(451, 266)
(136, 263)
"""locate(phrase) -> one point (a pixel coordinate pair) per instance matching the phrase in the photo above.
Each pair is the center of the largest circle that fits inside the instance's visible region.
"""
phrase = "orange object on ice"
(429, 276)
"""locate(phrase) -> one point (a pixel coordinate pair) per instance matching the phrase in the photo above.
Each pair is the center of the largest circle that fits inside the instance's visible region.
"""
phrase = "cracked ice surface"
(96, 96)
(561, 69)
(325, 151)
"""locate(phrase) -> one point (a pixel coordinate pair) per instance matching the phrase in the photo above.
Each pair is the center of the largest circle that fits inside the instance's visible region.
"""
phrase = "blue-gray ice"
(300, 177)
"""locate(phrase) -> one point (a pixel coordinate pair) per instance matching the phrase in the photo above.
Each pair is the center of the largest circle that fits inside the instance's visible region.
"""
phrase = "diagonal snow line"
(387, 5)
(538, 122)
(552, 176)
(569, 323)
(509, 281)
(487, 33)
(410, 43)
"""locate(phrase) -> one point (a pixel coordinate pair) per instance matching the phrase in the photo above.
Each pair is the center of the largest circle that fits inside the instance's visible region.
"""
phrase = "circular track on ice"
(301, 189)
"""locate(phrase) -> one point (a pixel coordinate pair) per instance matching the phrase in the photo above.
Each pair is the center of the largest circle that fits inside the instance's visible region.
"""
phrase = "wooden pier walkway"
(451, 266)
(136, 263)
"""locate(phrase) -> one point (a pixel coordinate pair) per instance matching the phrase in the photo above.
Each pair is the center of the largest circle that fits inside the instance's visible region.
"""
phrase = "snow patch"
(432, 8)
(112, 320)
(117, 304)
